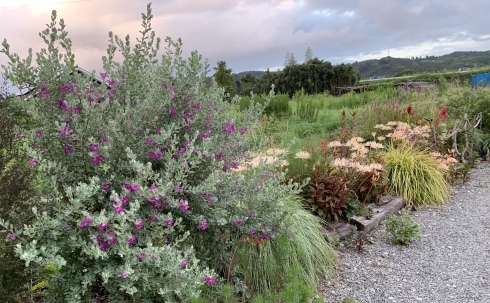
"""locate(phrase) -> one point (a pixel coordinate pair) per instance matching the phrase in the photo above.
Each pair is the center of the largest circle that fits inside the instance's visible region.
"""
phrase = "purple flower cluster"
(183, 205)
(106, 240)
(132, 187)
(103, 226)
(68, 87)
(203, 224)
(86, 222)
(209, 280)
(155, 202)
(132, 240)
(229, 128)
(139, 226)
(98, 159)
(155, 155)
(44, 93)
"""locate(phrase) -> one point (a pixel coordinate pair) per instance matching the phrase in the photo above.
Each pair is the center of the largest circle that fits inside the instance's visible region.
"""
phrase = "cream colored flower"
(451, 160)
(381, 138)
(340, 162)
(376, 166)
(435, 154)
(275, 152)
(334, 144)
(302, 155)
(376, 145)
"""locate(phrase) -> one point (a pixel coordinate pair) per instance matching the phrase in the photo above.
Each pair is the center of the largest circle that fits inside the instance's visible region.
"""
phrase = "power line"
(44, 3)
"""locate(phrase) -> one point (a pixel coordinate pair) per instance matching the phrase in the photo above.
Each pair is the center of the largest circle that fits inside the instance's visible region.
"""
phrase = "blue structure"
(480, 80)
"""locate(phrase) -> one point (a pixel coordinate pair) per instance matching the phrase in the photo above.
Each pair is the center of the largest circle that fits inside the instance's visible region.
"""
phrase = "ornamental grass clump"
(416, 175)
(303, 254)
(142, 204)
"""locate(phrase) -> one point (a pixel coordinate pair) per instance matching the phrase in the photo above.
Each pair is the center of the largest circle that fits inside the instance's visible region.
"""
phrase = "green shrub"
(402, 228)
(415, 175)
(143, 204)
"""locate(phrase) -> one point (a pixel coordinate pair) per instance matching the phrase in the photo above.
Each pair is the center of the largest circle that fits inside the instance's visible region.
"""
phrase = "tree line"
(314, 76)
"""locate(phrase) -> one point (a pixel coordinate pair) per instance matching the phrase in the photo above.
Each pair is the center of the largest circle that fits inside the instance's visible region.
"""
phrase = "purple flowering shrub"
(144, 204)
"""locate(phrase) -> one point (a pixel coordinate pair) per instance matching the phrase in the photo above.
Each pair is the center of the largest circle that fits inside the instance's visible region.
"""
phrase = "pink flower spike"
(12, 237)
(185, 262)
(103, 226)
(123, 275)
(170, 222)
(210, 280)
(153, 187)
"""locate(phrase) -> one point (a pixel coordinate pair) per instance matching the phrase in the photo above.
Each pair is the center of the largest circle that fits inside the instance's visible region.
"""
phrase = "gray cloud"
(256, 34)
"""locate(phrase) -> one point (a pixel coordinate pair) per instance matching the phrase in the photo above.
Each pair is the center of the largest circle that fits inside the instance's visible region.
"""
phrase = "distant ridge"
(391, 67)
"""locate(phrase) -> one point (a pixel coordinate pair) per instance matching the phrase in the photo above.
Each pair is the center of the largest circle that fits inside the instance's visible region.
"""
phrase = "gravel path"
(450, 263)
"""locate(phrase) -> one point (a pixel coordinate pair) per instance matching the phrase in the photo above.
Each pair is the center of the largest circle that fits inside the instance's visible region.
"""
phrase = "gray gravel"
(449, 263)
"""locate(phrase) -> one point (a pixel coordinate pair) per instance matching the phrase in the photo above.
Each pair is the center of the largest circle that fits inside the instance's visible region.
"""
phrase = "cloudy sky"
(257, 34)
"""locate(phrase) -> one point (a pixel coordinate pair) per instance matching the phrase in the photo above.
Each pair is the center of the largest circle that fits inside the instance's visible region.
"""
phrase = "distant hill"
(389, 66)
(257, 74)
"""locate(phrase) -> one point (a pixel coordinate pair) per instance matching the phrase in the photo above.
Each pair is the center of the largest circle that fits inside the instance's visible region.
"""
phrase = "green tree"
(308, 55)
(290, 60)
(247, 84)
(344, 75)
(313, 76)
(223, 77)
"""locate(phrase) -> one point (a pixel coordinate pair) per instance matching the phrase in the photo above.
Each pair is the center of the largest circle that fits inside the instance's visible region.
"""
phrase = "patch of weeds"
(335, 240)
(402, 228)
(352, 208)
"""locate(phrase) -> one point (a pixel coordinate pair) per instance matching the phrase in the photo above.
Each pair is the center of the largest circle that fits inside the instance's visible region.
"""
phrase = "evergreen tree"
(223, 77)
(290, 60)
(308, 54)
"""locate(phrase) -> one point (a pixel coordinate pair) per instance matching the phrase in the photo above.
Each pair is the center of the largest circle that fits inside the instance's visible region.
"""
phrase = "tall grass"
(278, 106)
(415, 175)
(304, 255)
